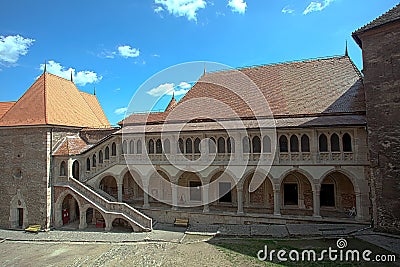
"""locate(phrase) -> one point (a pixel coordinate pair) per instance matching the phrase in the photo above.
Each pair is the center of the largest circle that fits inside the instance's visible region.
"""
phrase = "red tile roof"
(332, 85)
(4, 107)
(71, 145)
(55, 101)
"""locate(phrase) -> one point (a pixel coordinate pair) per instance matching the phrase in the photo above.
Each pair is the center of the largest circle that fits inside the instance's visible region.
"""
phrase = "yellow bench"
(33, 228)
(181, 222)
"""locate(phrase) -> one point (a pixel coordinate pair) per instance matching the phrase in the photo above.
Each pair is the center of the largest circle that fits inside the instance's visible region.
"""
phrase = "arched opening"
(337, 195)
(181, 146)
(260, 200)
(189, 147)
(347, 147)
(221, 145)
(197, 146)
(132, 193)
(94, 163)
(113, 149)
(335, 147)
(121, 226)
(256, 144)
(222, 188)
(139, 147)
(323, 143)
(158, 146)
(100, 157)
(70, 211)
(294, 143)
(87, 164)
(94, 219)
(246, 144)
(109, 185)
(75, 169)
(305, 143)
(283, 144)
(62, 168)
(190, 188)
(131, 147)
(107, 153)
(150, 148)
(124, 147)
(167, 146)
(160, 189)
(18, 212)
(267, 144)
(212, 145)
(297, 195)
(230, 145)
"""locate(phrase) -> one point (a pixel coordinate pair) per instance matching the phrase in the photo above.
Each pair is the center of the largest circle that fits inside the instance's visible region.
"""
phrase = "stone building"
(380, 42)
(275, 143)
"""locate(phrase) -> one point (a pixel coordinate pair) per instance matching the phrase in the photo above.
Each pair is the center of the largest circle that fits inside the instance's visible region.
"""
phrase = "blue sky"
(116, 46)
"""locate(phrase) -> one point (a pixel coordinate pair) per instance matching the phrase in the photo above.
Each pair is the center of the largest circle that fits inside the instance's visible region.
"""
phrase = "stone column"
(316, 202)
(358, 206)
(206, 207)
(108, 220)
(174, 196)
(82, 219)
(239, 199)
(119, 186)
(277, 202)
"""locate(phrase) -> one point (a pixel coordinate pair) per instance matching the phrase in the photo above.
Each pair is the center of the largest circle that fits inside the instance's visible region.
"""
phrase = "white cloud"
(287, 10)
(80, 78)
(317, 6)
(181, 8)
(237, 6)
(12, 47)
(169, 89)
(120, 111)
(127, 51)
(107, 54)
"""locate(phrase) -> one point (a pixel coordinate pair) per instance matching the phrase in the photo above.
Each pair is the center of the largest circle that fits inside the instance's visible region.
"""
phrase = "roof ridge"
(370, 25)
(45, 98)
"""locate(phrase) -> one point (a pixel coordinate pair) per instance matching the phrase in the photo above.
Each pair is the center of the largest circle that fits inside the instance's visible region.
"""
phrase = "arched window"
(323, 143)
(294, 143)
(94, 160)
(113, 149)
(347, 147)
(124, 147)
(283, 144)
(139, 147)
(62, 168)
(75, 169)
(189, 147)
(167, 146)
(100, 156)
(151, 146)
(221, 145)
(230, 145)
(107, 153)
(197, 146)
(131, 147)
(88, 164)
(158, 146)
(181, 146)
(212, 145)
(266, 144)
(256, 144)
(246, 144)
(305, 143)
(335, 147)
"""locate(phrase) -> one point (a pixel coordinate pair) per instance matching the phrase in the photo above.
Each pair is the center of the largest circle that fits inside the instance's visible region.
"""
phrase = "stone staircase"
(113, 209)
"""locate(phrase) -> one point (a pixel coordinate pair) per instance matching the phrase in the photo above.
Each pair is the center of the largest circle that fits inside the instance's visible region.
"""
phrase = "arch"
(124, 147)
(59, 207)
(300, 171)
(323, 143)
(94, 163)
(256, 144)
(294, 143)
(189, 189)
(109, 185)
(305, 143)
(75, 169)
(93, 217)
(335, 144)
(139, 146)
(88, 164)
(107, 153)
(18, 212)
(197, 146)
(221, 145)
(262, 198)
(131, 147)
(230, 145)
(150, 146)
(101, 156)
(222, 188)
(167, 146)
(246, 144)
(181, 148)
(283, 144)
(70, 209)
(266, 144)
(113, 149)
(62, 168)
(212, 145)
(160, 187)
(159, 146)
(297, 191)
(131, 188)
(189, 146)
(346, 140)
(120, 224)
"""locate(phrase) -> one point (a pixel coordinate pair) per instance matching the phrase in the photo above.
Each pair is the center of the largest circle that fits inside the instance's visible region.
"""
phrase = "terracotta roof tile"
(71, 145)
(4, 107)
(53, 100)
(331, 85)
(95, 106)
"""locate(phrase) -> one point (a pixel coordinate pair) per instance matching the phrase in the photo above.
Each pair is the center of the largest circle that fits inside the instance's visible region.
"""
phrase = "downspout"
(51, 180)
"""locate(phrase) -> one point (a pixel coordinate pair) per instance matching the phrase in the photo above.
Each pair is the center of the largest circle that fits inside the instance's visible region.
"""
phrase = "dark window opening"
(151, 147)
(323, 143)
(347, 143)
(266, 144)
(221, 145)
(113, 149)
(327, 195)
(256, 144)
(197, 146)
(305, 143)
(335, 147)
(291, 194)
(283, 144)
(225, 194)
(158, 146)
(195, 190)
(107, 153)
(294, 143)
(189, 147)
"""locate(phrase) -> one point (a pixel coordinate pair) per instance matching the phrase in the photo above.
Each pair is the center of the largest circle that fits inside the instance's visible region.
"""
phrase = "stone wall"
(381, 57)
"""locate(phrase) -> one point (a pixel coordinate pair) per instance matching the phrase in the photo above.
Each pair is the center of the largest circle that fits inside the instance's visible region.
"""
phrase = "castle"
(316, 141)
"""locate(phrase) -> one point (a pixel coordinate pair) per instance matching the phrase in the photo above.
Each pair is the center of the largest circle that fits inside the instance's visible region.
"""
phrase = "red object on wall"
(100, 223)
(65, 216)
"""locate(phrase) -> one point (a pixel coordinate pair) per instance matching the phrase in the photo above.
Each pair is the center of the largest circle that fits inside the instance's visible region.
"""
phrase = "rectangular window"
(291, 194)
(225, 194)
(327, 195)
(195, 190)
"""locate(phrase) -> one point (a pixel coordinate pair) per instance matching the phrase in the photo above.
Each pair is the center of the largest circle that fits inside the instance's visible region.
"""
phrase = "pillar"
(239, 199)
(358, 206)
(82, 219)
(206, 207)
(277, 202)
(174, 196)
(146, 194)
(316, 202)
(119, 186)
